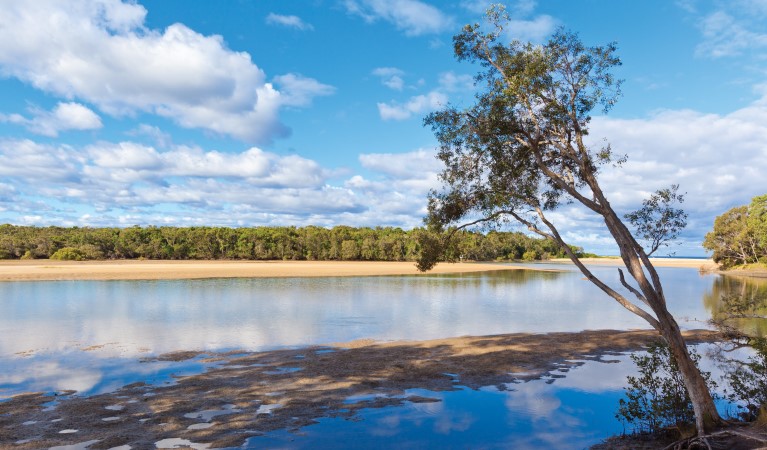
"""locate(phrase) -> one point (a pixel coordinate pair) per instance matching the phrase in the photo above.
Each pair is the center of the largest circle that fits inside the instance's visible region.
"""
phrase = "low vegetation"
(260, 243)
(656, 399)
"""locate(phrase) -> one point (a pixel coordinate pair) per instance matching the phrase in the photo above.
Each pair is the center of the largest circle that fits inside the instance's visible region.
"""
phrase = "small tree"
(740, 235)
(657, 399)
(519, 152)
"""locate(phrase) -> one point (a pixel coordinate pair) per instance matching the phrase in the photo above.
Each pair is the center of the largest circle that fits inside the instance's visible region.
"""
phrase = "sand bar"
(39, 270)
(693, 263)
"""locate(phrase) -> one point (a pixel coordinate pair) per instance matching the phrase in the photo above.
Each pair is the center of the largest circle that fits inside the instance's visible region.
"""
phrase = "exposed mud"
(254, 393)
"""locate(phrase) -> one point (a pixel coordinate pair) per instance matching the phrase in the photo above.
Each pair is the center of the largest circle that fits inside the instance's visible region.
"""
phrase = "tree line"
(739, 236)
(260, 243)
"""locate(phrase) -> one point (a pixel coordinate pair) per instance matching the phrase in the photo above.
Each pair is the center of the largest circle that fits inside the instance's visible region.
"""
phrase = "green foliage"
(657, 398)
(264, 243)
(68, 254)
(749, 382)
(740, 235)
(658, 222)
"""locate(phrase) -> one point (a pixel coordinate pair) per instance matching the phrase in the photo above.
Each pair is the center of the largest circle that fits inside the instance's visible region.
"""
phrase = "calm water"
(88, 335)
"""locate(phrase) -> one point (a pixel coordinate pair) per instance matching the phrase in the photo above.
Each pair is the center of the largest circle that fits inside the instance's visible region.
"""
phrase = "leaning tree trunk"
(707, 418)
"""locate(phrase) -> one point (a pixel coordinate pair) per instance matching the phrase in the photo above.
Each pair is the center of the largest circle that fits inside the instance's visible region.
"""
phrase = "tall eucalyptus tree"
(519, 152)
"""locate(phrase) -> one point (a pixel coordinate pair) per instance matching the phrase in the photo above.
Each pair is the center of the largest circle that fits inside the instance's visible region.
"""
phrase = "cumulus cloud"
(126, 183)
(391, 77)
(418, 104)
(288, 21)
(64, 117)
(399, 183)
(535, 29)
(115, 175)
(102, 52)
(298, 90)
(414, 17)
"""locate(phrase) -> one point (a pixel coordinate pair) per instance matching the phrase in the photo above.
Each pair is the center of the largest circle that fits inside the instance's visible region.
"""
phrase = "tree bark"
(707, 418)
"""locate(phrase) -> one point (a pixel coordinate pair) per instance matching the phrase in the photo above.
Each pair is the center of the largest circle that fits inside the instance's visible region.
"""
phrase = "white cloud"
(418, 104)
(421, 163)
(102, 52)
(288, 21)
(299, 91)
(723, 35)
(718, 160)
(391, 77)
(64, 117)
(160, 138)
(413, 17)
(451, 82)
(535, 30)
(523, 25)
(128, 183)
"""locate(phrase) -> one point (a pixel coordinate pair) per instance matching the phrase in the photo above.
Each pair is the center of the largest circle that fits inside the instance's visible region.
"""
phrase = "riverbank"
(42, 270)
(249, 394)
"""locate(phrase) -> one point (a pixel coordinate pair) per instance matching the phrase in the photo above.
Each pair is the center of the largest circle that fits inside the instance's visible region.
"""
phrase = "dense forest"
(739, 236)
(259, 243)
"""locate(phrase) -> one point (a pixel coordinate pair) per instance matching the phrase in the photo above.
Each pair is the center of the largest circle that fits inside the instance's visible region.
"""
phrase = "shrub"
(749, 383)
(68, 254)
(91, 251)
(530, 255)
(657, 398)
(28, 255)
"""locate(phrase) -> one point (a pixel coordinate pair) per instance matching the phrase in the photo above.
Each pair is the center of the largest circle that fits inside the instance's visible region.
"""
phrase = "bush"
(91, 251)
(68, 254)
(28, 255)
(530, 255)
(749, 383)
(657, 399)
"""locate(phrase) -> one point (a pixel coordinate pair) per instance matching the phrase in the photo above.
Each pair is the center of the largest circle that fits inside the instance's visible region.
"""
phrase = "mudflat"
(39, 270)
(248, 394)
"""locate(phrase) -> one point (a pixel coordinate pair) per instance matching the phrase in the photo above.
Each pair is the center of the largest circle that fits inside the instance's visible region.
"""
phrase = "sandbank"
(39, 270)
(693, 263)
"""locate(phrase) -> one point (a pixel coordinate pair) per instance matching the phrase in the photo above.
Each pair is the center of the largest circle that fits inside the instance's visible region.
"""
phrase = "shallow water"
(85, 335)
(574, 411)
(88, 336)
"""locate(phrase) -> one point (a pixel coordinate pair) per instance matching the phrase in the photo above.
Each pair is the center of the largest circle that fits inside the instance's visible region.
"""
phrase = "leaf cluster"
(658, 221)
(519, 147)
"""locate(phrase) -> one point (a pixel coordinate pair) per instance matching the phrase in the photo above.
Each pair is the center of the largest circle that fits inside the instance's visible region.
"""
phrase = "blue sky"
(247, 113)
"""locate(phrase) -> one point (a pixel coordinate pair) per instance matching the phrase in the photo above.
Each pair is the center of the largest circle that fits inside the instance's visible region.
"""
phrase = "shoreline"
(51, 270)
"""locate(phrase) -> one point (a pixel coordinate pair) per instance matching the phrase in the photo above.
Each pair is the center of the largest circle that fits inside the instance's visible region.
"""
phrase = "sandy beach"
(39, 270)
(693, 263)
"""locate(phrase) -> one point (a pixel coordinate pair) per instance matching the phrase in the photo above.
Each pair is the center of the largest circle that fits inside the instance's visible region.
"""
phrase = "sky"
(310, 112)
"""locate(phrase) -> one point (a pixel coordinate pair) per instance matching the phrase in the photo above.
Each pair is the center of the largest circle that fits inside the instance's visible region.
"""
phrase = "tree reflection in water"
(739, 304)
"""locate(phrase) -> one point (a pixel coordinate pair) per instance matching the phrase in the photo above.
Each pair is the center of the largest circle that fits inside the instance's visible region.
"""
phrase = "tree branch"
(632, 289)
(554, 236)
